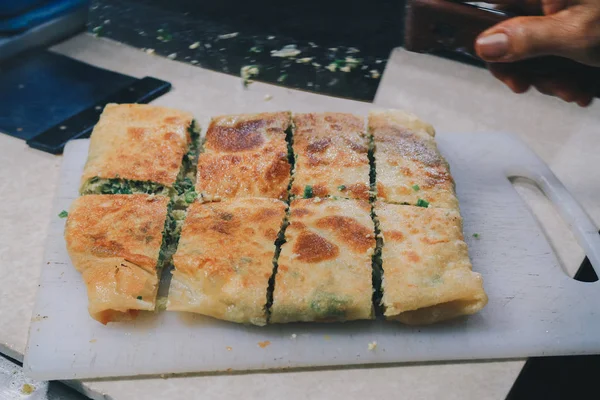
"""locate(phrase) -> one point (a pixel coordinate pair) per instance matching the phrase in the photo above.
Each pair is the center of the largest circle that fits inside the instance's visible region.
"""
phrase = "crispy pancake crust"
(225, 259)
(245, 156)
(427, 273)
(138, 142)
(114, 241)
(408, 164)
(324, 269)
(332, 155)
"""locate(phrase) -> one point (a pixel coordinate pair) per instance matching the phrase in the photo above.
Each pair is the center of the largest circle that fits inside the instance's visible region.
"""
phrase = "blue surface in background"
(43, 89)
(20, 15)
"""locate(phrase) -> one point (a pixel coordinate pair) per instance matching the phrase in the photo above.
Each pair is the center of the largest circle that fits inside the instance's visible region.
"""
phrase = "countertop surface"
(453, 96)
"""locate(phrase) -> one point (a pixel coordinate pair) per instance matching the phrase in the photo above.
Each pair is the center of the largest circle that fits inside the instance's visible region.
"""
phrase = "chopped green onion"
(63, 214)
(190, 197)
(416, 188)
(308, 192)
(139, 297)
(342, 187)
(476, 235)
(422, 203)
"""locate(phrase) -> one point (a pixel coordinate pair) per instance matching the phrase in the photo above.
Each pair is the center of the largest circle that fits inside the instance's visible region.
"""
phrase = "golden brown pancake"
(331, 156)
(324, 270)
(225, 259)
(115, 241)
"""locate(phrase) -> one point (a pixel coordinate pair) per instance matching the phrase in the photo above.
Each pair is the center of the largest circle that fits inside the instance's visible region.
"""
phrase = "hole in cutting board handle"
(559, 235)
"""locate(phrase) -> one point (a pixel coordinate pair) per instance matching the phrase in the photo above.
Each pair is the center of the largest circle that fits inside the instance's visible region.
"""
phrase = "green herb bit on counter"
(416, 188)
(422, 203)
(63, 214)
(342, 187)
(308, 191)
(476, 235)
(139, 297)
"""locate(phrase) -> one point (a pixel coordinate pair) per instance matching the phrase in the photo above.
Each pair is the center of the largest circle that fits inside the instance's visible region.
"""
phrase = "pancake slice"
(225, 259)
(115, 242)
(245, 156)
(138, 148)
(409, 167)
(324, 268)
(427, 274)
(331, 156)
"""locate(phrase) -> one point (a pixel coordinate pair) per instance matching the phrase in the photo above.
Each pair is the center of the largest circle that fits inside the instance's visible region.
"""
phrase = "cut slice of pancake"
(225, 259)
(427, 274)
(139, 148)
(324, 269)
(245, 156)
(115, 242)
(331, 152)
(409, 167)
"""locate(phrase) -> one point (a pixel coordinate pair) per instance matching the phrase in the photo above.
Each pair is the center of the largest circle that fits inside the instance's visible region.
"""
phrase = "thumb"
(525, 37)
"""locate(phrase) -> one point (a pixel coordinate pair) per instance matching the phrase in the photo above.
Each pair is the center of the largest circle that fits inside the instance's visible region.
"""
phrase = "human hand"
(567, 28)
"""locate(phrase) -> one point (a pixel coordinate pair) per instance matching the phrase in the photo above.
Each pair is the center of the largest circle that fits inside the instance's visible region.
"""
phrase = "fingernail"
(493, 46)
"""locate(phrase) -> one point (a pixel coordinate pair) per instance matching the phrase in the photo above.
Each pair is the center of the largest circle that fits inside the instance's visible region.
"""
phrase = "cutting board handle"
(578, 221)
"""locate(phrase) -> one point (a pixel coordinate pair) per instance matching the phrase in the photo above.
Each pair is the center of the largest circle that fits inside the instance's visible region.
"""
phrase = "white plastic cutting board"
(534, 307)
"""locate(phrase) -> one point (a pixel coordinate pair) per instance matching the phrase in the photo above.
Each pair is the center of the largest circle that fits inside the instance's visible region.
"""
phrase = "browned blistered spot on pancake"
(394, 235)
(412, 256)
(282, 267)
(329, 118)
(427, 240)
(381, 190)
(319, 145)
(298, 225)
(312, 248)
(173, 120)
(245, 135)
(278, 171)
(357, 236)
(170, 136)
(414, 231)
(271, 234)
(356, 147)
(336, 127)
(136, 133)
(300, 212)
(359, 190)
(320, 190)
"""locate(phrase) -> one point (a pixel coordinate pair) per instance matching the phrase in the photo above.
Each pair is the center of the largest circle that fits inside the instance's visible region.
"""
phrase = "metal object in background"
(80, 125)
(40, 25)
(15, 385)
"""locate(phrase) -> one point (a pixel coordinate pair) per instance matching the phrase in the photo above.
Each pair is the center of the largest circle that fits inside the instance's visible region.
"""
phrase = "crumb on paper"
(93, 340)
(268, 97)
(294, 336)
(149, 51)
(172, 56)
(289, 50)
(326, 337)
(247, 72)
(375, 74)
(229, 348)
(194, 45)
(332, 67)
(372, 345)
(228, 35)
(27, 389)
(264, 344)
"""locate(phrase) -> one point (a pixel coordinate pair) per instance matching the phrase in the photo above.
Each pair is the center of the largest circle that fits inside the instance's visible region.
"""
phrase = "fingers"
(566, 87)
(526, 37)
